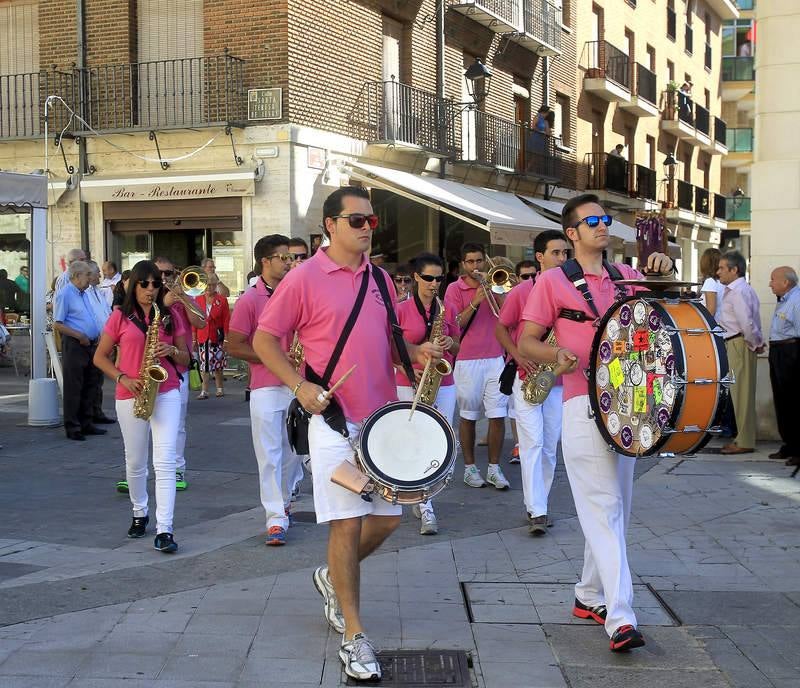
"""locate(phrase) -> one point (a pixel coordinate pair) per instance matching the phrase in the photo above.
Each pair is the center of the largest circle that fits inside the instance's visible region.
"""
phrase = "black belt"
(778, 342)
(575, 315)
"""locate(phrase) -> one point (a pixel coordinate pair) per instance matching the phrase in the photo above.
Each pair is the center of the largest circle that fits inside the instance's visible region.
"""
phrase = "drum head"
(632, 369)
(407, 452)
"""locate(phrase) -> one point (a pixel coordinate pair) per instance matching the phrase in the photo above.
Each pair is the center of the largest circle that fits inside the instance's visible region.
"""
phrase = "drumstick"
(327, 393)
(421, 386)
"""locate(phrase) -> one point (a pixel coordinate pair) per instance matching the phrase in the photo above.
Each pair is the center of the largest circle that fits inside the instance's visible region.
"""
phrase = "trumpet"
(192, 281)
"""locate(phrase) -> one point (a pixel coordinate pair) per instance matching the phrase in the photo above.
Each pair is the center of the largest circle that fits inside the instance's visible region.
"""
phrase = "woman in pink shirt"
(127, 328)
(416, 317)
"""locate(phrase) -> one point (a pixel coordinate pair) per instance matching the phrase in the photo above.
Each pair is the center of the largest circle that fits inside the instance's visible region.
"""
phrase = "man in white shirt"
(110, 278)
(101, 312)
(741, 320)
(74, 254)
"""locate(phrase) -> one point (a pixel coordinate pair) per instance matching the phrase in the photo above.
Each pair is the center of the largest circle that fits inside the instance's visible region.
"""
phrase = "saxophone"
(434, 376)
(296, 352)
(533, 391)
(151, 373)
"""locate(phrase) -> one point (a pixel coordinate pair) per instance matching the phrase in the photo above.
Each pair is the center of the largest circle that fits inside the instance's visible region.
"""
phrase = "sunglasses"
(431, 278)
(285, 257)
(527, 276)
(402, 280)
(357, 220)
(156, 283)
(594, 220)
(299, 256)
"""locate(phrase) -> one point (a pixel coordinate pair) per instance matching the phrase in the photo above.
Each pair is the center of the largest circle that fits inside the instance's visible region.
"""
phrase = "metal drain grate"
(421, 669)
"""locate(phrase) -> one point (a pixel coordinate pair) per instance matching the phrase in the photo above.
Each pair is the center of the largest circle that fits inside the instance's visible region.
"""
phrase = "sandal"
(202, 395)
(220, 393)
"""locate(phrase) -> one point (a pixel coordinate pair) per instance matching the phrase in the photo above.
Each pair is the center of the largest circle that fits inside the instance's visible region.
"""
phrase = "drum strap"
(397, 331)
(574, 273)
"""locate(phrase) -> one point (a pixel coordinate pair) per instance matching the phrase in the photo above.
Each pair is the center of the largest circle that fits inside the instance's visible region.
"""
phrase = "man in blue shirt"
(784, 361)
(74, 319)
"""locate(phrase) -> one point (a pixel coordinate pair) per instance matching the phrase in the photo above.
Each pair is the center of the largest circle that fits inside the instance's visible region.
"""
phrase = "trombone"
(192, 281)
(499, 281)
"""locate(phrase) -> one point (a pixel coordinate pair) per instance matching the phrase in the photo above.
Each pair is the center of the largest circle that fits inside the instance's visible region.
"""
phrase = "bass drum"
(658, 375)
(409, 458)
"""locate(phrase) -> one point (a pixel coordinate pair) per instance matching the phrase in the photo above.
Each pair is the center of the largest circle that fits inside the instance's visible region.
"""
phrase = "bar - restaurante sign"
(187, 188)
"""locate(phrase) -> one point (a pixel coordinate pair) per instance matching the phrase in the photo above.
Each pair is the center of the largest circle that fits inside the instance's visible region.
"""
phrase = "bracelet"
(120, 376)
(297, 387)
(472, 306)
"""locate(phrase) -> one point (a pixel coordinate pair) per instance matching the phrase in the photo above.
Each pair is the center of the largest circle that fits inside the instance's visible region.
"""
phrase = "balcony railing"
(719, 207)
(685, 108)
(608, 172)
(739, 140)
(187, 92)
(392, 112)
(605, 61)
(542, 20)
(701, 201)
(737, 209)
(22, 99)
(646, 84)
(685, 195)
(486, 139)
(702, 119)
(672, 23)
(738, 69)
(720, 131)
(688, 41)
(509, 11)
(708, 57)
(646, 183)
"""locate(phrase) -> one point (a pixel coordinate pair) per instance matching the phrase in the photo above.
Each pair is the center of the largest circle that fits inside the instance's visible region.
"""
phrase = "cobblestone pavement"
(713, 547)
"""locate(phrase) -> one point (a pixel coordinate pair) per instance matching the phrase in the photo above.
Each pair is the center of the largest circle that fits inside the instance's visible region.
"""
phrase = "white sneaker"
(358, 657)
(472, 477)
(416, 511)
(428, 525)
(333, 613)
(494, 476)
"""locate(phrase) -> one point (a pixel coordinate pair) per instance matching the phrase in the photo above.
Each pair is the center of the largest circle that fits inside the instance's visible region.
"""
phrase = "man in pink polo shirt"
(315, 300)
(269, 397)
(601, 480)
(478, 367)
(538, 425)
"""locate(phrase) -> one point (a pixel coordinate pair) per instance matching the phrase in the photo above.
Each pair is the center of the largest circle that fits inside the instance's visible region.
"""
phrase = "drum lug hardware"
(729, 379)
(394, 495)
(718, 331)
(692, 428)
(715, 430)
(703, 381)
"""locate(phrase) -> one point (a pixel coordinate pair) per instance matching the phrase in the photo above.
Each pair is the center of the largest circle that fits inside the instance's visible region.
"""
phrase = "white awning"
(508, 220)
(169, 187)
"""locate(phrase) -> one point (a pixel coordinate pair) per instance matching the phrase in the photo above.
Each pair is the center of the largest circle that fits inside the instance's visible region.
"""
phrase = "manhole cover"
(420, 669)
(304, 516)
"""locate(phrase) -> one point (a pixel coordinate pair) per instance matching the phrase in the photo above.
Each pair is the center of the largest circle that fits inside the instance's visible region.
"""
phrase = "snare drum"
(658, 375)
(411, 459)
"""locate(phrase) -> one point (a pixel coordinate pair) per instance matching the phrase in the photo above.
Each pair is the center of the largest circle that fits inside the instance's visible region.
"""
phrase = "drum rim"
(594, 401)
(404, 485)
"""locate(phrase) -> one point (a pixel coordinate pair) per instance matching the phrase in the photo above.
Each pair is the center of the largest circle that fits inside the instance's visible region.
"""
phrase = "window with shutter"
(19, 67)
(170, 72)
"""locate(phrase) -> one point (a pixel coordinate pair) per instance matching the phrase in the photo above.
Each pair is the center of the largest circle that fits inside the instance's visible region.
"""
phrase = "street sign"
(264, 103)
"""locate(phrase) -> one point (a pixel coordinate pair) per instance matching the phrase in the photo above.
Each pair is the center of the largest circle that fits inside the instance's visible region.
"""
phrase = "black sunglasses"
(431, 278)
(300, 256)
(593, 221)
(527, 276)
(402, 280)
(157, 283)
(357, 220)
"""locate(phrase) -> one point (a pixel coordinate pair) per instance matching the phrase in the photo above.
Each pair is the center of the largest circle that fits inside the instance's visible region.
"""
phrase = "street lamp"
(669, 169)
(478, 77)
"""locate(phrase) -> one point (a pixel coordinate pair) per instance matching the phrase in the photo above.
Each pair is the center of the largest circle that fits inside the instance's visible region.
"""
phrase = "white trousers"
(602, 484)
(539, 430)
(163, 425)
(276, 461)
(180, 447)
(445, 404)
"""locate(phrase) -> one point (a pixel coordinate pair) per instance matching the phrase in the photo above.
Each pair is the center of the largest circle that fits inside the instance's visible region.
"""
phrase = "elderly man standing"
(74, 319)
(64, 278)
(784, 361)
(740, 317)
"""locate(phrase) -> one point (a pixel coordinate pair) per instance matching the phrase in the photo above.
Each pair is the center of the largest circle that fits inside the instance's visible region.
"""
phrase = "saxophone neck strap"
(429, 318)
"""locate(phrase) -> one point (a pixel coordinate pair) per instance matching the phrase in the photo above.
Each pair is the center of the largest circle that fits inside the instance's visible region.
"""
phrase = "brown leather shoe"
(778, 455)
(732, 449)
(793, 461)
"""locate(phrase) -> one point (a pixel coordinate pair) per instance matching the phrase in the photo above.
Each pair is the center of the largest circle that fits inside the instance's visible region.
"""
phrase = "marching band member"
(403, 282)
(269, 397)
(299, 250)
(538, 425)
(130, 329)
(316, 300)
(601, 481)
(478, 367)
(416, 317)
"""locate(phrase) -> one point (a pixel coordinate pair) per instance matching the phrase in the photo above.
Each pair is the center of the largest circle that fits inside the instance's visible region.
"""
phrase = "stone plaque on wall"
(264, 103)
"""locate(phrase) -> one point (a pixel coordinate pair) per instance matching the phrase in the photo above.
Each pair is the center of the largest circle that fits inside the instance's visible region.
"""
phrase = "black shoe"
(138, 526)
(104, 420)
(165, 543)
(626, 638)
(583, 611)
(91, 430)
(76, 435)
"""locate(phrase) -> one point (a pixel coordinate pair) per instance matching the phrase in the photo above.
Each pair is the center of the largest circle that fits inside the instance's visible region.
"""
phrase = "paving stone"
(739, 670)
(212, 645)
(609, 677)
(121, 665)
(512, 643)
(717, 608)
(289, 671)
(157, 683)
(44, 663)
(122, 639)
(521, 675)
(34, 682)
(202, 668)
(235, 624)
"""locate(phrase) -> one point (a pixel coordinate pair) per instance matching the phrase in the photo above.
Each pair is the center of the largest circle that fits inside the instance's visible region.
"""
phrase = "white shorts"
(332, 502)
(478, 387)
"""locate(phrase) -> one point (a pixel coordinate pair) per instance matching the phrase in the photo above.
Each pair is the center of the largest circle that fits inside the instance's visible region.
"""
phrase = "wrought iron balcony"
(165, 94)
(606, 61)
(608, 172)
(646, 84)
(22, 99)
(739, 140)
(738, 69)
(393, 113)
(685, 195)
(702, 119)
(701, 201)
(719, 206)
(501, 16)
(493, 141)
(720, 131)
(542, 22)
(737, 209)
(646, 183)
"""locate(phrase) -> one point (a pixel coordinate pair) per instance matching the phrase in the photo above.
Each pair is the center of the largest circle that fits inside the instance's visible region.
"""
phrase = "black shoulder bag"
(297, 417)
(397, 331)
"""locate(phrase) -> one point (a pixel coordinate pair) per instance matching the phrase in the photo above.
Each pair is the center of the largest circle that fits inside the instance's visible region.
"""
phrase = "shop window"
(14, 254)
(133, 247)
(227, 252)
